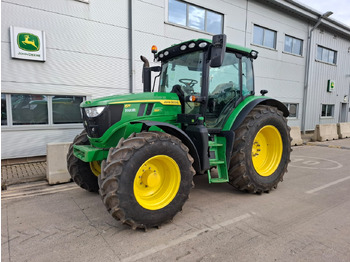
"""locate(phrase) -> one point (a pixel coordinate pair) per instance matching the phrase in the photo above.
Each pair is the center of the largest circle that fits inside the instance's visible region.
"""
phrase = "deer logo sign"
(28, 42)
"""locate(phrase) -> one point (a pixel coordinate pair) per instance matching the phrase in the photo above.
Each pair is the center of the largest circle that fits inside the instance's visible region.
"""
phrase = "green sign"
(330, 85)
(28, 42)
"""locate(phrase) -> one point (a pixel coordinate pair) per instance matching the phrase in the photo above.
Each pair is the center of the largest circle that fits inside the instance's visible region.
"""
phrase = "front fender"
(177, 132)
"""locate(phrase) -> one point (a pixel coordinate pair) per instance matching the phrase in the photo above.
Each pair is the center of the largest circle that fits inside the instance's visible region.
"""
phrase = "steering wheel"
(188, 82)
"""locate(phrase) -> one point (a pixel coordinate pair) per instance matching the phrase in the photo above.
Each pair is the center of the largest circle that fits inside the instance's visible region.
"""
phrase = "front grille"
(97, 126)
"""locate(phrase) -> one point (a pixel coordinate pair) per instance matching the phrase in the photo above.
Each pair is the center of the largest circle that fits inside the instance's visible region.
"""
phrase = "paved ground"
(305, 219)
(22, 173)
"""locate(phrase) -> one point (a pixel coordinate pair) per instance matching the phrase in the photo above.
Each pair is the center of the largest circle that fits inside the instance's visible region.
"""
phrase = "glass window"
(258, 36)
(293, 45)
(66, 109)
(224, 90)
(3, 110)
(195, 17)
(327, 110)
(214, 23)
(293, 109)
(29, 109)
(326, 55)
(247, 76)
(177, 12)
(265, 37)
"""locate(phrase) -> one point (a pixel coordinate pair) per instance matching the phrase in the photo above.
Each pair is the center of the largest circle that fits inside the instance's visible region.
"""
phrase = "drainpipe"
(131, 48)
(307, 68)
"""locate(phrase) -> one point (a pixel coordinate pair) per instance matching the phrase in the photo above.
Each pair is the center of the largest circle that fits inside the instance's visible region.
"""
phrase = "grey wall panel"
(28, 143)
(321, 72)
(106, 11)
(66, 68)
(69, 33)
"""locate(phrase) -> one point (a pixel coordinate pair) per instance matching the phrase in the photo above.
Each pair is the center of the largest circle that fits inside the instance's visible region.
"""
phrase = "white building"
(92, 49)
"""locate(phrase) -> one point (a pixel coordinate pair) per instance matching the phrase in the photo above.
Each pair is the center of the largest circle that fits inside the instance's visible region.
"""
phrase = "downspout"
(307, 69)
(131, 48)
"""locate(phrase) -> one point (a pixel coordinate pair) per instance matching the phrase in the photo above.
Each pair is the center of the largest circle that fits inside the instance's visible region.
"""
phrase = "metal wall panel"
(15, 144)
(321, 72)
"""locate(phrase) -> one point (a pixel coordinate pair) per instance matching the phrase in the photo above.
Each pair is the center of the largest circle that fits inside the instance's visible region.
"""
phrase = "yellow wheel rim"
(95, 167)
(157, 182)
(267, 150)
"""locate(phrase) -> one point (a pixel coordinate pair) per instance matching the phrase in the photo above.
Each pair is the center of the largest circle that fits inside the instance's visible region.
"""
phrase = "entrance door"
(343, 116)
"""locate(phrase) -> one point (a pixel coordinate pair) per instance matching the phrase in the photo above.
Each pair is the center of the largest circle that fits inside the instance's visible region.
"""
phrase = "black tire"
(80, 171)
(242, 173)
(119, 174)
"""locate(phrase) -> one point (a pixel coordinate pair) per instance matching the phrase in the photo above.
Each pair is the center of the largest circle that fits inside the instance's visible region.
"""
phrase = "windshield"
(185, 70)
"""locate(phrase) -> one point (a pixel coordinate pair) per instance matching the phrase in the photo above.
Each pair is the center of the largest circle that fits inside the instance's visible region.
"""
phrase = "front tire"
(261, 151)
(83, 174)
(146, 179)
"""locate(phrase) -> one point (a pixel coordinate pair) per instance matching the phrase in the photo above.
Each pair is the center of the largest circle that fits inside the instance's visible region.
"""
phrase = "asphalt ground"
(305, 219)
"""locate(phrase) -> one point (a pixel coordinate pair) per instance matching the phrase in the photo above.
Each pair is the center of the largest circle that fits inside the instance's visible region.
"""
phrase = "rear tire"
(146, 179)
(80, 171)
(261, 151)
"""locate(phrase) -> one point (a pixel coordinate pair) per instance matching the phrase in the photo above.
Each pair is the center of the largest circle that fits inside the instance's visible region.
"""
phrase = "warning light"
(192, 98)
(154, 49)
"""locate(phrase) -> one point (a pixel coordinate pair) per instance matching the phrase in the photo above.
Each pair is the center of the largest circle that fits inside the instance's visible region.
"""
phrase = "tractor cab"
(210, 77)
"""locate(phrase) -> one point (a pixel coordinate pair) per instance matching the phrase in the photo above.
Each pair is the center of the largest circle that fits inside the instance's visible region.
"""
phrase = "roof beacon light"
(154, 49)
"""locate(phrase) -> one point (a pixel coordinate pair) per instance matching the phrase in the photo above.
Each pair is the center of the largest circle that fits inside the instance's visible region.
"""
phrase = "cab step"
(217, 149)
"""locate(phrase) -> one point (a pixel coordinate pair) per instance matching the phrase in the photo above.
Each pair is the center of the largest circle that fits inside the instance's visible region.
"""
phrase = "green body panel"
(231, 119)
(165, 109)
(89, 153)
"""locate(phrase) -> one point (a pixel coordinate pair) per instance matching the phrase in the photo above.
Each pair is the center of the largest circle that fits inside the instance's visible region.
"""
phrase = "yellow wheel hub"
(157, 182)
(95, 167)
(267, 150)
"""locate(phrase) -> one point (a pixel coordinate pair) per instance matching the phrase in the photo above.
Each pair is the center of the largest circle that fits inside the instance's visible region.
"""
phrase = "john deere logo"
(28, 42)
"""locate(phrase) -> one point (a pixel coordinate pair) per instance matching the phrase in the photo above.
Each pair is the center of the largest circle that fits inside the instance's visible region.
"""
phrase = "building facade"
(92, 49)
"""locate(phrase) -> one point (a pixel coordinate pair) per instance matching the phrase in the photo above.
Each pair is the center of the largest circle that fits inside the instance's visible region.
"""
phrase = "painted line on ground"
(327, 185)
(38, 192)
(182, 239)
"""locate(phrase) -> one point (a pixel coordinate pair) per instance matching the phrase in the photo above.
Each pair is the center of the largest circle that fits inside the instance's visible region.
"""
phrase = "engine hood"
(163, 98)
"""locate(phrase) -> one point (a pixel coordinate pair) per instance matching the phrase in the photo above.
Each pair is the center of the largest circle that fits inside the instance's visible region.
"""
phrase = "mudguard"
(175, 131)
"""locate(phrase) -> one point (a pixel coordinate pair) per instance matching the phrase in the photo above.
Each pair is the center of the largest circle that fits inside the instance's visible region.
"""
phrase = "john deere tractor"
(141, 151)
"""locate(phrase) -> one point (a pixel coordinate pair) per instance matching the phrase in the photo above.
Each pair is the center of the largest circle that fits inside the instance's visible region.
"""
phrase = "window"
(32, 109)
(327, 110)
(293, 45)
(264, 37)
(195, 17)
(293, 109)
(326, 55)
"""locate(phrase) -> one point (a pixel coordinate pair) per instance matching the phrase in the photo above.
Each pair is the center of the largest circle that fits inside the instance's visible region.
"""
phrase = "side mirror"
(218, 50)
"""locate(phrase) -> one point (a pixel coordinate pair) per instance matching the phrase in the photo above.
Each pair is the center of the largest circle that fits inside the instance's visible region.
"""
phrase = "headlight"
(94, 111)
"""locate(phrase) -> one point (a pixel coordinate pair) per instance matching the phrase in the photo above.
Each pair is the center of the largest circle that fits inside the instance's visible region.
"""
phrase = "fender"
(252, 104)
(175, 131)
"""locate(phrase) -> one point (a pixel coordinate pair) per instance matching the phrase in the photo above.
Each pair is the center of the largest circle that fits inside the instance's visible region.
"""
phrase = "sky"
(340, 8)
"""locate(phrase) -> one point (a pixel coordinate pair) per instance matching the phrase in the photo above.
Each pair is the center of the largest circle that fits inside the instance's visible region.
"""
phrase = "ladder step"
(216, 162)
(213, 144)
(218, 180)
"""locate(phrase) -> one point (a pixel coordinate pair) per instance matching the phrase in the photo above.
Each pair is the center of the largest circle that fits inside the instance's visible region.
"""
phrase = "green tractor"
(141, 151)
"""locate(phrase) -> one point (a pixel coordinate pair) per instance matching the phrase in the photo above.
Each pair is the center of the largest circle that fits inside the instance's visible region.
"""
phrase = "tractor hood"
(163, 98)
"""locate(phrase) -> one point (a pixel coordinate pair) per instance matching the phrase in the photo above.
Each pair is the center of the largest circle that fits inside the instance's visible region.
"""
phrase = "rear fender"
(250, 105)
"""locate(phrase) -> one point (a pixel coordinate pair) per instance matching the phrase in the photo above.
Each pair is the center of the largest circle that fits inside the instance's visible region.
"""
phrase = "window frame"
(49, 125)
(293, 38)
(263, 40)
(206, 10)
(327, 105)
(288, 104)
(335, 55)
